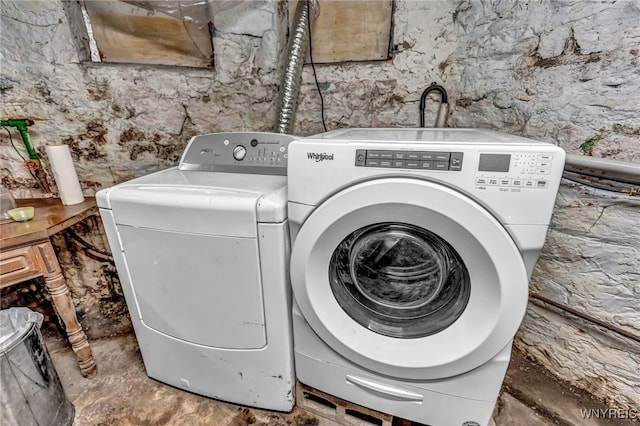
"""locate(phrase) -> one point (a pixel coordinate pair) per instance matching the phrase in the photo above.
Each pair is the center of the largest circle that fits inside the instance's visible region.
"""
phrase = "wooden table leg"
(57, 288)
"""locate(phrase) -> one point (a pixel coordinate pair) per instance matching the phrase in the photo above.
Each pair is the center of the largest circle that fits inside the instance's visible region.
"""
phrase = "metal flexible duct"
(292, 76)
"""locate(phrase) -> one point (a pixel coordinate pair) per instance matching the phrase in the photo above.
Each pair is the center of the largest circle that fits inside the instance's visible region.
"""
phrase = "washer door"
(409, 278)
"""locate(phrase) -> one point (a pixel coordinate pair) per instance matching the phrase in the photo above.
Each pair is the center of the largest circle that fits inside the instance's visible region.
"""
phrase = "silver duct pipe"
(298, 43)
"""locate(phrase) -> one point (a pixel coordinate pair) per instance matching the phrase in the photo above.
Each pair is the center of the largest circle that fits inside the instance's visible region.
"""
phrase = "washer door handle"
(384, 389)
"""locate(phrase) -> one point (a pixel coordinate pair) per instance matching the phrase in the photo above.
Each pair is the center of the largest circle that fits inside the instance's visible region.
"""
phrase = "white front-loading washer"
(202, 253)
(412, 251)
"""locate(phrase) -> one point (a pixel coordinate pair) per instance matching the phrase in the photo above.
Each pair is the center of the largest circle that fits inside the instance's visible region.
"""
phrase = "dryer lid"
(198, 202)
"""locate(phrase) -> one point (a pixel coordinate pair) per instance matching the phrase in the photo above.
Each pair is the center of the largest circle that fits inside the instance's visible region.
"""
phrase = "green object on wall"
(21, 125)
(34, 165)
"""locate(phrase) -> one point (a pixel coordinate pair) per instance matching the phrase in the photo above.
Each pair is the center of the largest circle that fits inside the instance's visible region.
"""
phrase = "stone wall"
(566, 72)
(124, 121)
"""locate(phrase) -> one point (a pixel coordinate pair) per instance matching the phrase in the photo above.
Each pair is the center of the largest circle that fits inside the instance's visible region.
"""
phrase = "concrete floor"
(122, 394)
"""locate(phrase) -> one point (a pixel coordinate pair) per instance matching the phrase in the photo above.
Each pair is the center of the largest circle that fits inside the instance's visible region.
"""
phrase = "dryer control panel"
(238, 152)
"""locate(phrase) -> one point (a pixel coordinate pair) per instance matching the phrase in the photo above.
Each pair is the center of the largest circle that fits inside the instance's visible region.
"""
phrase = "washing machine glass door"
(399, 280)
(409, 278)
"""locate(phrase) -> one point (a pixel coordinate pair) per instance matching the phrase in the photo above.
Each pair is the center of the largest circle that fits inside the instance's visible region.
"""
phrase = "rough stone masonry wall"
(124, 121)
(566, 72)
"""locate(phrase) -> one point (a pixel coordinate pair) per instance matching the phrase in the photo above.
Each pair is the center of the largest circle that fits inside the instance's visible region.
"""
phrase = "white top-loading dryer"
(202, 254)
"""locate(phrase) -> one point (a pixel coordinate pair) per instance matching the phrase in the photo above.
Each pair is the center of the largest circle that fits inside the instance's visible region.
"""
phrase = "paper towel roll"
(64, 174)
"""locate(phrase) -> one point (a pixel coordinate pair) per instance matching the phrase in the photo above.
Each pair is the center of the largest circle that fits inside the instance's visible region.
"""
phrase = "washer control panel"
(424, 160)
(238, 152)
(513, 170)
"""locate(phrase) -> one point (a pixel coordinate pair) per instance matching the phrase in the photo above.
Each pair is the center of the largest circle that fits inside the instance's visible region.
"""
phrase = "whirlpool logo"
(319, 156)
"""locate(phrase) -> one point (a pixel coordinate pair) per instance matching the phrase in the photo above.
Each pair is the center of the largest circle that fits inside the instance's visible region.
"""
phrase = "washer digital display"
(494, 162)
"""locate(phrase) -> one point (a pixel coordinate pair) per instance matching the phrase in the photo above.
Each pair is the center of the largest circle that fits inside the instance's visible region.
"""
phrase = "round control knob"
(239, 152)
